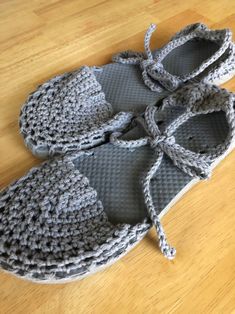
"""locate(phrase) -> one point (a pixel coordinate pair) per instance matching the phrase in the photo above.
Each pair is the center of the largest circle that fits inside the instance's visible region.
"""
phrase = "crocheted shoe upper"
(53, 227)
(68, 112)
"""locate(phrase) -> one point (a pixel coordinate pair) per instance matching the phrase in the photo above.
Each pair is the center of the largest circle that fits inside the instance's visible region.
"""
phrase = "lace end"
(169, 252)
(152, 27)
(147, 38)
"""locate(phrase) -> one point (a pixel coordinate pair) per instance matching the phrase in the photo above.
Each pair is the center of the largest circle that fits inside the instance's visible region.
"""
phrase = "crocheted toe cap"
(53, 227)
(62, 110)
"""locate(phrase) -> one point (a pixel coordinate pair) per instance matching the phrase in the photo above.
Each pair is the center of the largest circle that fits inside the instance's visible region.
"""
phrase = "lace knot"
(147, 64)
(161, 138)
(153, 73)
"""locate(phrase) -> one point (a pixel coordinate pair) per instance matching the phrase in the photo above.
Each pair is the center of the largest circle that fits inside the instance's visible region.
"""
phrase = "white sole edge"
(224, 78)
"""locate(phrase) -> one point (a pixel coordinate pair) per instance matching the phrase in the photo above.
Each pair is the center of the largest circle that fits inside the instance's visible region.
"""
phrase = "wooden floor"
(41, 38)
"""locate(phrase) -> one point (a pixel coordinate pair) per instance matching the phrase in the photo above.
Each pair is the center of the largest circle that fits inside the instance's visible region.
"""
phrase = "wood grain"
(41, 38)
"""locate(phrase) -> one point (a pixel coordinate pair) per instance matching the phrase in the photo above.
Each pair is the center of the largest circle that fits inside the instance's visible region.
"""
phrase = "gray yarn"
(70, 112)
(79, 116)
(157, 78)
(52, 225)
(192, 163)
(224, 63)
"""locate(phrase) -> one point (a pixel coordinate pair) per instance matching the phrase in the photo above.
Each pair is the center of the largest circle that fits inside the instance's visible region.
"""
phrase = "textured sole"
(116, 173)
(191, 184)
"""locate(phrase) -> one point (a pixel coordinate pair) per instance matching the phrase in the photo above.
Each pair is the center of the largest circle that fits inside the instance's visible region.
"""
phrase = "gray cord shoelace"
(154, 75)
(192, 163)
(153, 72)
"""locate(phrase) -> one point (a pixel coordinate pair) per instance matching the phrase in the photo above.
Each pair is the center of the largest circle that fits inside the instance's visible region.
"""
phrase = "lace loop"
(128, 57)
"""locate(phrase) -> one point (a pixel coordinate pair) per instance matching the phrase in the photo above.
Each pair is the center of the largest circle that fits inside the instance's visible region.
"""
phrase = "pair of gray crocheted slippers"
(165, 126)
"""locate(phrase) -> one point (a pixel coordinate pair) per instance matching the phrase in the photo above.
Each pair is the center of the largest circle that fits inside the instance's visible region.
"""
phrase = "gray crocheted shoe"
(195, 54)
(76, 214)
(73, 111)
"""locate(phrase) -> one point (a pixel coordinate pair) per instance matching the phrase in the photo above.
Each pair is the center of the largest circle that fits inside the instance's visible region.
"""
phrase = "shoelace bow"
(153, 73)
(193, 164)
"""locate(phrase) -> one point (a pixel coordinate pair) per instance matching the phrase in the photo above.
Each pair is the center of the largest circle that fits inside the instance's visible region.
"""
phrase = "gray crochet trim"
(79, 116)
(153, 72)
(225, 63)
(52, 225)
(221, 69)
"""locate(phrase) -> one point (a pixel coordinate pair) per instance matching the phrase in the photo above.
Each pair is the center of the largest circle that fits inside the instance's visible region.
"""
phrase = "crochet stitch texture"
(70, 112)
(53, 226)
(157, 78)
(78, 118)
